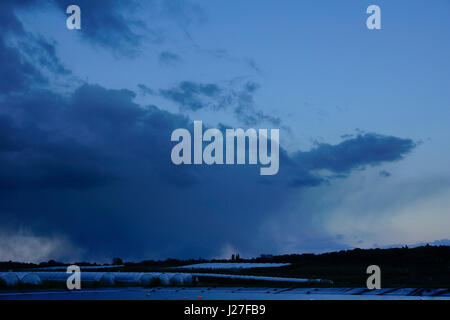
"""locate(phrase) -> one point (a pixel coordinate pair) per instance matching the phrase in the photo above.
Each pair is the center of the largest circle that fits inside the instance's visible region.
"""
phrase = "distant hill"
(420, 266)
(443, 242)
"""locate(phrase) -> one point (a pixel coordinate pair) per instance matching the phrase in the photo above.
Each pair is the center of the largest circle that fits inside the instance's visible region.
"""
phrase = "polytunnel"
(53, 277)
(29, 278)
(8, 279)
(164, 278)
(151, 278)
(180, 279)
(128, 278)
(96, 278)
(87, 278)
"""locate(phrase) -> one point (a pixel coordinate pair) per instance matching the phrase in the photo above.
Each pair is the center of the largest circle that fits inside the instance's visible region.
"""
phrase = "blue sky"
(86, 117)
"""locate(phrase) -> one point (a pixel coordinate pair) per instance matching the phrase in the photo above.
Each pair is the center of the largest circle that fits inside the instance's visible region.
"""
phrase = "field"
(227, 293)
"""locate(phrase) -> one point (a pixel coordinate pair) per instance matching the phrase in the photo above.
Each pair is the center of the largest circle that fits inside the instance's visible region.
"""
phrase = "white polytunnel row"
(259, 278)
(129, 278)
(102, 278)
(11, 279)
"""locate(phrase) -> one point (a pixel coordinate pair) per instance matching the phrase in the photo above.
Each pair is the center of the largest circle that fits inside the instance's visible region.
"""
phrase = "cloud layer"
(92, 166)
(95, 166)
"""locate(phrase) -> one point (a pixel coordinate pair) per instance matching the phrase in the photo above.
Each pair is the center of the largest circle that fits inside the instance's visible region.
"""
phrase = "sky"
(86, 118)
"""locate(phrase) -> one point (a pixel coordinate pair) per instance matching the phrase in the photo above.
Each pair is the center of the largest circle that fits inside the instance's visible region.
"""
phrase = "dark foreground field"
(228, 293)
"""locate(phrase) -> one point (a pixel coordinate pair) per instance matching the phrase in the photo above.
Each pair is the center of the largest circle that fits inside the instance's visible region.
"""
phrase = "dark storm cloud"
(102, 109)
(16, 74)
(39, 158)
(118, 26)
(8, 19)
(9, 141)
(23, 60)
(43, 53)
(103, 24)
(95, 166)
(367, 149)
(109, 23)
